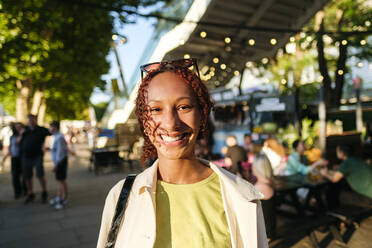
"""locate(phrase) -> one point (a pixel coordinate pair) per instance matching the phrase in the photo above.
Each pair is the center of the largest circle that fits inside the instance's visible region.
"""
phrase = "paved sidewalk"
(40, 225)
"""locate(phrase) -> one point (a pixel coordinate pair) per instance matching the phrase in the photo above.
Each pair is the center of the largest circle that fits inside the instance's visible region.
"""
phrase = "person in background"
(14, 152)
(32, 140)
(249, 148)
(248, 143)
(357, 173)
(235, 155)
(367, 147)
(5, 134)
(369, 132)
(59, 154)
(297, 160)
(263, 171)
(276, 153)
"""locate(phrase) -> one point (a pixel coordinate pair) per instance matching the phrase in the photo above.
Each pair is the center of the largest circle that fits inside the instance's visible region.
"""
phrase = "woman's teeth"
(172, 139)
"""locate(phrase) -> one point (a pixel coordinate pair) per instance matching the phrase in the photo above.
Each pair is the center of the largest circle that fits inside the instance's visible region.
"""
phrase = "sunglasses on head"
(175, 64)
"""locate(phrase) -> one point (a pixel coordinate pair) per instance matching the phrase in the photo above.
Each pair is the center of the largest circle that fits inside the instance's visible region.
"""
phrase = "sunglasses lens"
(182, 63)
(151, 67)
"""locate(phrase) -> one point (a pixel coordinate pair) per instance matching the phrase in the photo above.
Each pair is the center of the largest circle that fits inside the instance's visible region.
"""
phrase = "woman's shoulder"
(139, 179)
(235, 183)
(115, 190)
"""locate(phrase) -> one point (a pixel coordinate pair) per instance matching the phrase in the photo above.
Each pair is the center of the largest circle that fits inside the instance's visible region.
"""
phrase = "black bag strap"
(119, 212)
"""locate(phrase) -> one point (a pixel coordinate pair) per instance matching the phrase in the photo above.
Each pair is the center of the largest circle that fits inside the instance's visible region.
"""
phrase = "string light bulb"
(292, 39)
(114, 37)
(203, 34)
(251, 42)
(363, 42)
(227, 40)
(265, 60)
(223, 66)
(236, 73)
(340, 72)
(216, 60)
(186, 56)
(344, 42)
(249, 64)
(273, 41)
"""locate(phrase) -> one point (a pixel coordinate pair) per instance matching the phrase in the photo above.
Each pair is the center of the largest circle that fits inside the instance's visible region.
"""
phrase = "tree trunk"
(340, 79)
(23, 99)
(341, 64)
(41, 113)
(323, 67)
(37, 101)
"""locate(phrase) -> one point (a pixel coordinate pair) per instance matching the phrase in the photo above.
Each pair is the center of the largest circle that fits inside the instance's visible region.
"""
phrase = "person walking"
(59, 154)
(180, 201)
(32, 140)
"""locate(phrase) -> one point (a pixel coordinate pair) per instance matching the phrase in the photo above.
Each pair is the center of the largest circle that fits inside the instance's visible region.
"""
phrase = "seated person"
(235, 155)
(297, 160)
(357, 173)
(248, 143)
(276, 153)
(263, 171)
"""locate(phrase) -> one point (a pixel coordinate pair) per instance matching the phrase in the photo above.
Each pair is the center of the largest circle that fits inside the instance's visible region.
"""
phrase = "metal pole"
(359, 113)
(322, 125)
(322, 121)
(113, 44)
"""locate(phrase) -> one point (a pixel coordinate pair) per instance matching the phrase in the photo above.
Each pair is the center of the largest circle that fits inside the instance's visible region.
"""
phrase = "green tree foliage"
(347, 17)
(320, 58)
(55, 48)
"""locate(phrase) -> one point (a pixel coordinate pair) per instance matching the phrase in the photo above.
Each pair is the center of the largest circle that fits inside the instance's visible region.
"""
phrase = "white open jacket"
(138, 229)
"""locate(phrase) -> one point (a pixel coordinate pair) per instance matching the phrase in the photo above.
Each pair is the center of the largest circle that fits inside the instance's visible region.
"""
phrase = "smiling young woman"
(181, 201)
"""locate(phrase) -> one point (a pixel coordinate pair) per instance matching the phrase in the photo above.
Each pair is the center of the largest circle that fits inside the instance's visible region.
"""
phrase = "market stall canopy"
(230, 33)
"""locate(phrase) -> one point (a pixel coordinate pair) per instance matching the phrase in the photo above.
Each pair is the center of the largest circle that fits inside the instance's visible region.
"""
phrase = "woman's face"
(301, 147)
(175, 116)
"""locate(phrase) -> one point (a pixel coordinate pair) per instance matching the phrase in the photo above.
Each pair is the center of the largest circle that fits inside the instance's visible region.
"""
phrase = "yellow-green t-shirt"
(191, 215)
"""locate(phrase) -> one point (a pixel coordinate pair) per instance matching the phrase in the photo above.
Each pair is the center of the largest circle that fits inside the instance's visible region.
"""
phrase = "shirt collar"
(148, 178)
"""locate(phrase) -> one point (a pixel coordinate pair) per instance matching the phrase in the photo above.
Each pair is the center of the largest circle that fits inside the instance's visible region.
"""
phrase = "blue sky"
(138, 36)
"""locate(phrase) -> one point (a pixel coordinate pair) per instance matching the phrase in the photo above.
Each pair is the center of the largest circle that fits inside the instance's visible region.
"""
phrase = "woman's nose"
(170, 120)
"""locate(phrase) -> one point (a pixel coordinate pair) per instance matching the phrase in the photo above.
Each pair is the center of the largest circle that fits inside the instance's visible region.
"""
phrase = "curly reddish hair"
(203, 99)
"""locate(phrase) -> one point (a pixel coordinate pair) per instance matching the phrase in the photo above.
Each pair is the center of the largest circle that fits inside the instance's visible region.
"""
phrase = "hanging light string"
(213, 24)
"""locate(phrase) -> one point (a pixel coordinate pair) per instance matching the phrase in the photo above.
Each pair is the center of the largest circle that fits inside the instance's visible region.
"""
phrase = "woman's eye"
(185, 107)
(155, 110)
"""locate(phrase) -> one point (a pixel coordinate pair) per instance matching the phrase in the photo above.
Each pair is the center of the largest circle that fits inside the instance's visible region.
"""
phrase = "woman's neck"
(182, 171)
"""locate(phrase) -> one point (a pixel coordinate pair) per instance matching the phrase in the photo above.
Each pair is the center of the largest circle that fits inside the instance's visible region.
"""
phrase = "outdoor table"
(104, 157)
(286, 187)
